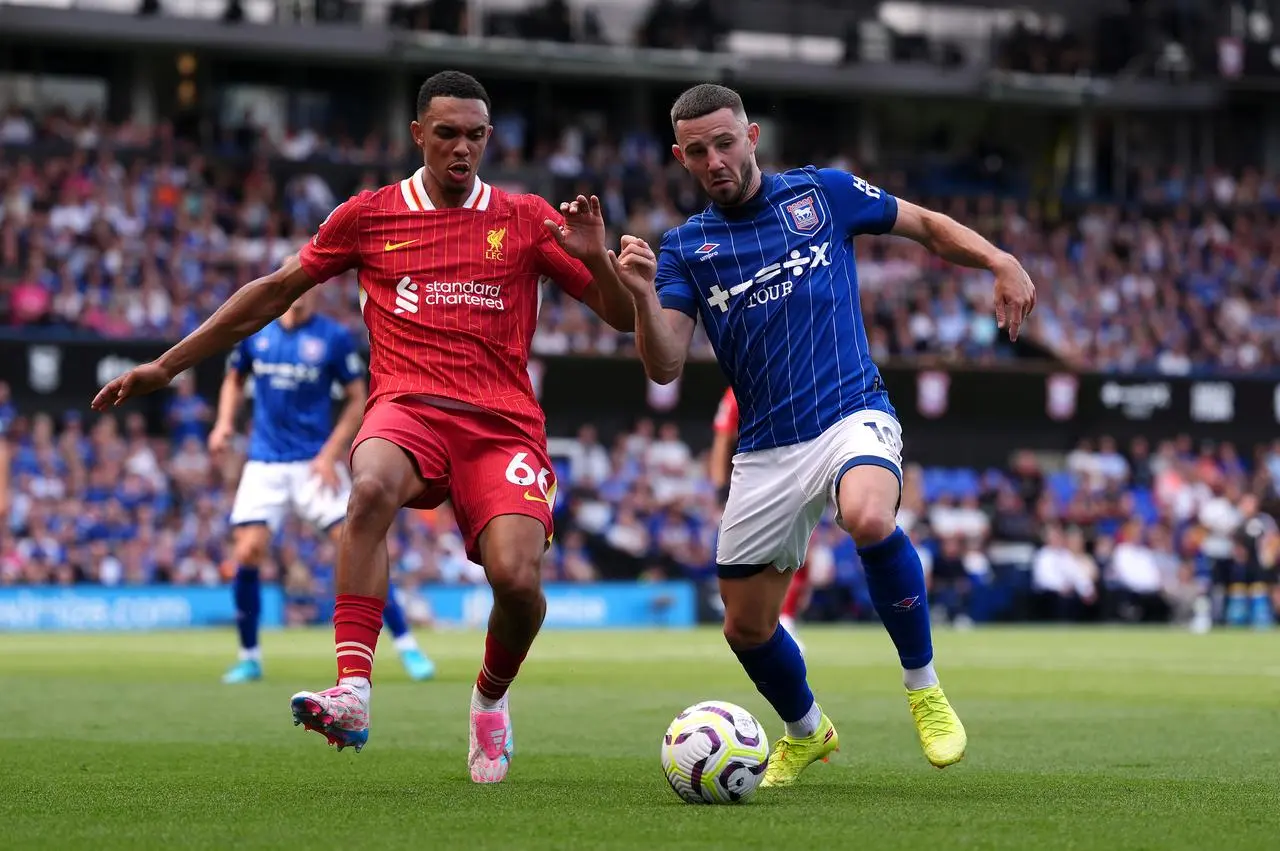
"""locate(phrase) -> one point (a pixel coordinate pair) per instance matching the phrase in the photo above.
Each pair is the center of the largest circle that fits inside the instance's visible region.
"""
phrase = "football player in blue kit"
(296, 457)
(769, 269)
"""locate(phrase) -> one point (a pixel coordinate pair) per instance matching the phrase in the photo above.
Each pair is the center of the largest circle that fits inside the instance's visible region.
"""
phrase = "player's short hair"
(704, 99)
(451, 84)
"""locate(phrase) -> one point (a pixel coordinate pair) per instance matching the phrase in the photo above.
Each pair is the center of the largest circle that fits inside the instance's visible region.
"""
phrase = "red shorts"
(483, 463)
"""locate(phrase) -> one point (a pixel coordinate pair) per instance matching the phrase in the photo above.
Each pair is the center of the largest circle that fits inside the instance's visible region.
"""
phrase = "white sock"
(914, 678)
(480, 703)
(250, 654)
(806, 726)
(360, 684)
(406, 642)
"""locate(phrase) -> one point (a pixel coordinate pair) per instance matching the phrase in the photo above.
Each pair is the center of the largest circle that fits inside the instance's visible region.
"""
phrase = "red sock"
(791, 602)
(356, 623)
(499, 669)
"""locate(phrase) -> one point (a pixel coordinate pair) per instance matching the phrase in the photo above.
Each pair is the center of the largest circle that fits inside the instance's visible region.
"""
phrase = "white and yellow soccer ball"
(715, 753)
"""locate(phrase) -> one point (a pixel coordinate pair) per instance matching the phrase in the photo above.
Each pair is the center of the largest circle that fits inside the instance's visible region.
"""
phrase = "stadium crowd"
(1128, 534)
(95, 239)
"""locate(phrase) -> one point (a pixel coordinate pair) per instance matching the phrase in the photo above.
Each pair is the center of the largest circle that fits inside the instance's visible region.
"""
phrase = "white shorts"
(777, 496)
(268, 490)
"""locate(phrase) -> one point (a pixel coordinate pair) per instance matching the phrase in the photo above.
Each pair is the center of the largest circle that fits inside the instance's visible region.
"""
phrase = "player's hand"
(1015, 295)
(139, 381)
(325, 470)
(220, 437)
(636, 266)
(582, 234)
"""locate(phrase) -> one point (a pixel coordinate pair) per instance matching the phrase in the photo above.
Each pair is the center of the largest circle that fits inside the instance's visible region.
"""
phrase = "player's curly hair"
(704, 99)
(451, 84)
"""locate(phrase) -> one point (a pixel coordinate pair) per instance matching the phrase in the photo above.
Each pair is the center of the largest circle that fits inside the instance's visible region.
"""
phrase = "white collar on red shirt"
(415, 193)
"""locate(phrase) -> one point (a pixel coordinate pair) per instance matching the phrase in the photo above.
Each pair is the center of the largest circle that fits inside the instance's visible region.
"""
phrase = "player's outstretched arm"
(252, 307)
(662, 334)
(230, 397)
(1015, 295)
(581, 236)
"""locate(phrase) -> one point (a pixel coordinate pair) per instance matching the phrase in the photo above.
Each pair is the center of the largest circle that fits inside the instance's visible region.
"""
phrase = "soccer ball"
(715, 753)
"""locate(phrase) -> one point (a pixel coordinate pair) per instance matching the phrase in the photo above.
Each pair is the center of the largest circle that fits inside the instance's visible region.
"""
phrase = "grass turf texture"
(1115, 739)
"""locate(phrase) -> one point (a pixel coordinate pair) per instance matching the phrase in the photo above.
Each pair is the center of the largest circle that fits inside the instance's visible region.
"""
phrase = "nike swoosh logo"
(349, 671)
(392, 246)
(533, 498)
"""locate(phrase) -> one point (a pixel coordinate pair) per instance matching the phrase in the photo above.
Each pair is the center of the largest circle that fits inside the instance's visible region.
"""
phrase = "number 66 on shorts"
(519, 473)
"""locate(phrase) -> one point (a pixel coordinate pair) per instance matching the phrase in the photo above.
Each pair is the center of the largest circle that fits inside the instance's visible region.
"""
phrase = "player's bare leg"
(795, 601)
(383, 479)
(249, 545)
(511, 548)
(753, 599)
(868, 499)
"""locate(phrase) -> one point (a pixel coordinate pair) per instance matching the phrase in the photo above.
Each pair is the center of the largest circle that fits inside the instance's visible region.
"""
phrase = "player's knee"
(868, 500)
(743, 632)
(516, 579)
(373, 503)
(249, 545)
(868, 523)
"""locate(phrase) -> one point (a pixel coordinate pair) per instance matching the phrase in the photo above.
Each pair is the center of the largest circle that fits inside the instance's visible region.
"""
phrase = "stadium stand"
(96, 239)
(105, 503)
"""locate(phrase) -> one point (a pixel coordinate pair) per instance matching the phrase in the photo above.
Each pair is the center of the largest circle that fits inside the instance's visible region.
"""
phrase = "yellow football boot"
(941, 734)
(792, 755)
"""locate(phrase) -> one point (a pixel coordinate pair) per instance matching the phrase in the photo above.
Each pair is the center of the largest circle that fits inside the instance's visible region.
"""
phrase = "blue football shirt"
(775, 284)
(293, 372)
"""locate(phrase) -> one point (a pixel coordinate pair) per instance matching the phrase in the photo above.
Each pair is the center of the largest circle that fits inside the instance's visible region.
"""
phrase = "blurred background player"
(724, 439)
(294, 458)
(1257, 546)
(819, 428)
(450, 271)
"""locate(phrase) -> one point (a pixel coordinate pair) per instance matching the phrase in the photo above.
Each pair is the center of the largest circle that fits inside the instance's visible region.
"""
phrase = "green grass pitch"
(1106, 739)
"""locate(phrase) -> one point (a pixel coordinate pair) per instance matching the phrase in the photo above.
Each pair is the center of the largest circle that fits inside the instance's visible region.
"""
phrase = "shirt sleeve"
(347, 363)
(335, 248)
(568, 272)
(858, 206)
(239, 360)
(726, 421)
(675, 290)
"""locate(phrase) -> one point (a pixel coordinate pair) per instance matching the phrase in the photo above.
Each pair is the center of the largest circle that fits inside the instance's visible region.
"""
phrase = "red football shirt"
(450, 296)
(726, 421)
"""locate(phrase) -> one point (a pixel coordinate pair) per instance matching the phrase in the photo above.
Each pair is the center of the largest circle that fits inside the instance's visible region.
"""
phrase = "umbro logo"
(707, 251)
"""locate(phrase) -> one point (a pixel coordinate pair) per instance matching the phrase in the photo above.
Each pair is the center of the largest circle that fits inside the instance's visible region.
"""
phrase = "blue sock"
(247, 591)
(1237, 607)
(896, 582)
(393, 616)
(778, 670)
(1262, 616)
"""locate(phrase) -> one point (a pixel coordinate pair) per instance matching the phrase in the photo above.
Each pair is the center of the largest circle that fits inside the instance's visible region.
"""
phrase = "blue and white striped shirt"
(294, 371)
(775, 283)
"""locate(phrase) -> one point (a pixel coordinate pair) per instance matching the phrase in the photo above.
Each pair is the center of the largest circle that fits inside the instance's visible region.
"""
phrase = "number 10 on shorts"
(519, 473)
(886, 437)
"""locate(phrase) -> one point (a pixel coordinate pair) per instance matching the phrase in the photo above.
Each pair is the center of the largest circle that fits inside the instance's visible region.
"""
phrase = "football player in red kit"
(724, 439)
(450, 270)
